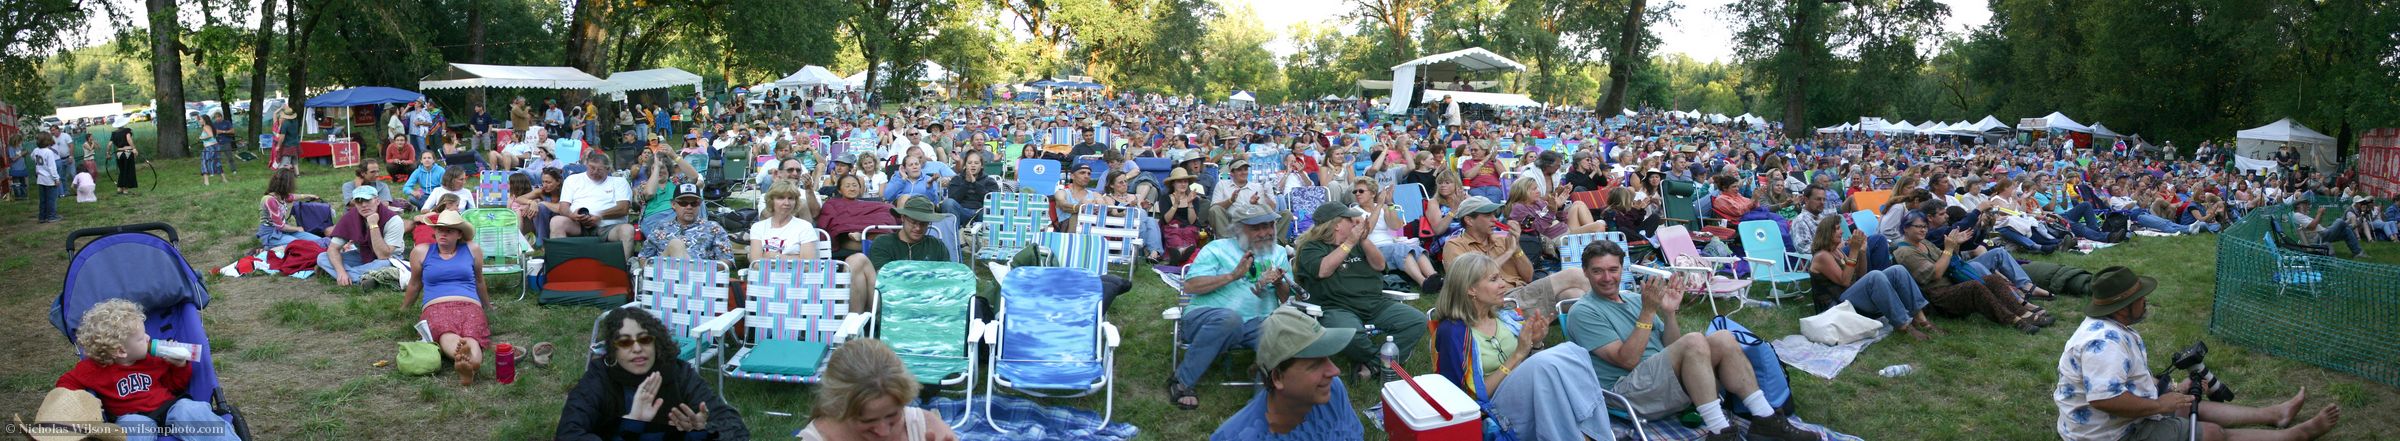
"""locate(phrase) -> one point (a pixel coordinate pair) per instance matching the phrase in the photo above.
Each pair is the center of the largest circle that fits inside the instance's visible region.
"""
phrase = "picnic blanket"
(1821, 360)
(1027, 420)
(1670, 429)
(2086, 246)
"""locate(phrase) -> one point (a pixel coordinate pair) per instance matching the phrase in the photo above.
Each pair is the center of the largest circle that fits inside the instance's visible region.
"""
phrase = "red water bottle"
(506, 368)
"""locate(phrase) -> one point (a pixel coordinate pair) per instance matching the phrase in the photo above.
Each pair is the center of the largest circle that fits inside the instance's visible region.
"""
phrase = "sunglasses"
(628, 342)
(687, 203)
(793, 170)
(1359, 191)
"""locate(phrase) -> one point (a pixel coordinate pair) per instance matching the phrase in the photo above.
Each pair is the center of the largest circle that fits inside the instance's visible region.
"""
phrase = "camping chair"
(1121, 226)
(693, 297)
(1051, 338)
(1011, 221)
(130, 262)
(1038, 176)
(1082, 251)
(1762, 246)
(1871, 201)
(1680, 195)
(587, 271)
(1174, 317)
(929, 312)
(1299, 202)
(1570, 250)
(796, 311)
(503, 243)
(1675, 244)
(2292, 269)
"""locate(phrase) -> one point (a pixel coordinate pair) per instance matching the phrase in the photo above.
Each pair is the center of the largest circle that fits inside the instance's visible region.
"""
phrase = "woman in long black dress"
(126, 156)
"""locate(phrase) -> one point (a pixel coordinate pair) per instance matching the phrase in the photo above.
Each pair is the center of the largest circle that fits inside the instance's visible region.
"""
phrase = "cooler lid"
(1419, 415)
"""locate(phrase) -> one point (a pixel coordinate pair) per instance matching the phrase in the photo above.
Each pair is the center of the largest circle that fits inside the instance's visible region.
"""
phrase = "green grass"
(298, 353)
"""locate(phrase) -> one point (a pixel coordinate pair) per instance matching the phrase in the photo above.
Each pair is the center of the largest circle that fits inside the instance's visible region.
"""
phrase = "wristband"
(1645, 326)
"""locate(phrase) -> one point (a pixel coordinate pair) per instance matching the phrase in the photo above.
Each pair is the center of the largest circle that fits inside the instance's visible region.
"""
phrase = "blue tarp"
(361, 96)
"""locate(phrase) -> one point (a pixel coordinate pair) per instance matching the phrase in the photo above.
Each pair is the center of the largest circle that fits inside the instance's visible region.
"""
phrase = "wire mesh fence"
(2273, 298)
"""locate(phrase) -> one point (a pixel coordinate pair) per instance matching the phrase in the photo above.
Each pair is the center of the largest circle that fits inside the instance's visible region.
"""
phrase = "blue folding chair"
(1762, 246)
(1570, 251)
(1303, 200)
(1011, 221)
(1052, 339)
(1083, 251)
(1038, 176)
(1411, 199)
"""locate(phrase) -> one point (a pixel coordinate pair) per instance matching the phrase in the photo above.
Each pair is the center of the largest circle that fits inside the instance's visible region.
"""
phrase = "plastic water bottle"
(505, 368)
(1390, 351)
(174, 350)
(1897, 370)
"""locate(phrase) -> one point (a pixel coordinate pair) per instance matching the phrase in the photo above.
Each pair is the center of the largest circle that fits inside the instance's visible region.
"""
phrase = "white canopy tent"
(1243, 95)
(1387, 84)
(1443, 67)
(2314, 149)
(1900, 128)
(660, 78)
(1484, 98)
(1989, 124)
(470, 76)
(811, 76)
(1330, 97)
(1719, 118)
(2053, 121)
(2102, 131)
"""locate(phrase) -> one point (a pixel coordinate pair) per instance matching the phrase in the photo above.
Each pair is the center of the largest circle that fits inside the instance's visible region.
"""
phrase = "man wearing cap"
(1240, 189)
(910, 243)
(1300, 394)
(364, 239)
(1344, 273)
(1234, 283)
(2106, 392)
(1639, 350)
(1479, 219)
(603, 204)
(687, 234)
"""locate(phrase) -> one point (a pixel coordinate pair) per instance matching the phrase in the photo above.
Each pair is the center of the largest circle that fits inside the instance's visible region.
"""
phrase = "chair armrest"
(1761, 261)
(1172, 313)
(1649, 271)
(1108, 335)
(979, 331)
(1400, 295)
(1804, 257)
(1692, 269)
(999, 270)
(1719, 260)
(717, 326)
(991, 333)
(853, 326)
(745, 274)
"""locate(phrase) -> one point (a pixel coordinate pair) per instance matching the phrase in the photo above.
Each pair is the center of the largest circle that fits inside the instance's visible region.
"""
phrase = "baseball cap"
(682, 190)
(1477, 204)
(1252, 214)
(362, 193)
(1331, 210)
(1289, 334)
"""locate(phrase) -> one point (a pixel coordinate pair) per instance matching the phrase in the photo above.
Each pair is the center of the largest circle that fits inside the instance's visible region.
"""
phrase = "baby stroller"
(149, 271)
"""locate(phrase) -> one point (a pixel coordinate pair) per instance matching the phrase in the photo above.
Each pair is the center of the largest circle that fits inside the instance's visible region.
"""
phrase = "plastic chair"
(503, 242)
(1762, 246)
(1038, 176)
(929, 312)
(1052, 339)
(796, 311)
(1675, 245)
(1011, 221)
(1301, 202)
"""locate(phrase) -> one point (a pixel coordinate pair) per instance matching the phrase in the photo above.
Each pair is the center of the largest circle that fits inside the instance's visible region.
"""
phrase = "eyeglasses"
(628, 342)
(793, 170)
(687, 203)
(1359, 191)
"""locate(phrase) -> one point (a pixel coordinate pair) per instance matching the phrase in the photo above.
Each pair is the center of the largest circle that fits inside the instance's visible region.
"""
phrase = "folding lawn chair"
(1082, 251)
(1570, 250)
(796, 311)
(1762, 246)
(2292, 269)
(1038, 176)
(1675, 245)
(928, 313)
(1174, 318)
(1121, 226)
(1051, 338)
(1011, 221)
(503, 243)
(693, 297)
(1302, 200)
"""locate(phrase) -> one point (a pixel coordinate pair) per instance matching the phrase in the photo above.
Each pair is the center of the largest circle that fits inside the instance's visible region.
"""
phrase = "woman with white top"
(1398, 251)
(782, 234)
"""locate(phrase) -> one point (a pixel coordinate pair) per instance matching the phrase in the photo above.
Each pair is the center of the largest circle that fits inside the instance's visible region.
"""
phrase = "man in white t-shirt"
(602, 204)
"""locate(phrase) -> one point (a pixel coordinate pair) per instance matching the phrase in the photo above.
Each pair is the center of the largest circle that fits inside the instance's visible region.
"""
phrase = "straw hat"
(1179, 175)
(69, 415)
(451, 220)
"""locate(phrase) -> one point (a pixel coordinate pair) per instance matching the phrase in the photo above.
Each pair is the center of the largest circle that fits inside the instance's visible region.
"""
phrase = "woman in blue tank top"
(449, 278)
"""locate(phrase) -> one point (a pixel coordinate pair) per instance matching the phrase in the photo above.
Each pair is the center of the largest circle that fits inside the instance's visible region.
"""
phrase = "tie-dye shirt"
(2101, 361)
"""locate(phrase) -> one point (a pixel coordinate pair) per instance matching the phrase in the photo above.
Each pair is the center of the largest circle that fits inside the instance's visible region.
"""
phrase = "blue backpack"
(1767, 366)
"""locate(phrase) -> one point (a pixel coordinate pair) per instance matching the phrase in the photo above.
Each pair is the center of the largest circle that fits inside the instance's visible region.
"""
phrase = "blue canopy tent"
(362, 96)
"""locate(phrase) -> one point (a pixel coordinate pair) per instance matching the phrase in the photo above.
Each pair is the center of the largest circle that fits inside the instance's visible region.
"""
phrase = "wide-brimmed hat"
(2115, 288)
(1178, 174)
(921, 209)
(69, 415)
(451, 220)
(1239, 164)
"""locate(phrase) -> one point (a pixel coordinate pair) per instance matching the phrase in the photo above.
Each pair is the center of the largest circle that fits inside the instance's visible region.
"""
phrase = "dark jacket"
(597, 406)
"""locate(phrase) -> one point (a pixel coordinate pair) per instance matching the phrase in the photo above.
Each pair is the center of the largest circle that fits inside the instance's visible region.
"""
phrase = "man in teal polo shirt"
(1234, 283)
(1640, 351)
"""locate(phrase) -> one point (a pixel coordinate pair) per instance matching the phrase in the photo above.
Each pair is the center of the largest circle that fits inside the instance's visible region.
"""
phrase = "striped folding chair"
(1011, 221)
(693, 297)
(1121, 227)
(797, 311)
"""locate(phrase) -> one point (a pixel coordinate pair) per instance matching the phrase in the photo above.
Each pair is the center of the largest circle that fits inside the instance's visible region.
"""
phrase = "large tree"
(1803, 46)
(167, 73)
(29, 31)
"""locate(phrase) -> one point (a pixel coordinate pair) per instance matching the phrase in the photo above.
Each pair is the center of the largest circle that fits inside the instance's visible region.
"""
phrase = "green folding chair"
(503, 242)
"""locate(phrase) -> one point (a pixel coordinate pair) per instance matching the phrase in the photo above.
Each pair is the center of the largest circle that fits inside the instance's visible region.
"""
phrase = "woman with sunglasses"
(1384, 231)
(638, 389)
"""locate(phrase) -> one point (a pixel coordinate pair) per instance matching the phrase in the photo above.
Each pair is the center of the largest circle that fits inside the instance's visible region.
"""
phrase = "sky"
(1697, 31)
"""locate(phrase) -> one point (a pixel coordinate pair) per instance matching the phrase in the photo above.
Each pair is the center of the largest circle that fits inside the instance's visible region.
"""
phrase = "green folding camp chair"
(503, 243)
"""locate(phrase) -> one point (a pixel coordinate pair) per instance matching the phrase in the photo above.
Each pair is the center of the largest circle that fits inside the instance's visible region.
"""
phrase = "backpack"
(2118, 225)
(1764, 363)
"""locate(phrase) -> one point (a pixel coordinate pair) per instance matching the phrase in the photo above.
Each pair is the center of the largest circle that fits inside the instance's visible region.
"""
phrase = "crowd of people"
(1496, 197)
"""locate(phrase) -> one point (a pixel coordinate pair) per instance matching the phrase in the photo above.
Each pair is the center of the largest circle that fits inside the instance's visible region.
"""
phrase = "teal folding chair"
(928, 314)
(797, 310)
(1762, 246)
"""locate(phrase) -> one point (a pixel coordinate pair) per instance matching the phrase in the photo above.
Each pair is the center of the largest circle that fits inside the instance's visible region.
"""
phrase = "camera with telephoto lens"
(2193, 359)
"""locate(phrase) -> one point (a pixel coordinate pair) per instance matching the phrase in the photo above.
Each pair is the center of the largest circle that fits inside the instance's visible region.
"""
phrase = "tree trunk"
(474, 44)
(167, 75)
(1627, 56)
(296, 37)
(1795, 69)
(258, 70)
(587, 36)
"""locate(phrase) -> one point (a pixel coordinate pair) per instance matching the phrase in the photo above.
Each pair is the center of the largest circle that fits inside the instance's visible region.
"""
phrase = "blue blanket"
(1027, 420)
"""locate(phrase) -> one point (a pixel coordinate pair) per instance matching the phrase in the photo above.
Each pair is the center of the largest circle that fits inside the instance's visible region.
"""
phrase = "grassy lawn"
(298, 355)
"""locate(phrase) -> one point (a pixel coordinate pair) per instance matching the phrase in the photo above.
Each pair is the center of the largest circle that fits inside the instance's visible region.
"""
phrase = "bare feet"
(2323, 423)
(466, 371)
(1913, 332)
(2290, 408)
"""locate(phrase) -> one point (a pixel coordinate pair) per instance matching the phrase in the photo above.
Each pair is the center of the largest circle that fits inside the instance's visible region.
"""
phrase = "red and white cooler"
(1429, 408)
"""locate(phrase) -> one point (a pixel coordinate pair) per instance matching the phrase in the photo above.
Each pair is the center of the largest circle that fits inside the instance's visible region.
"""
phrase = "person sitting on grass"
(1640, 351)
(138, 391)
(421, 182)
(688, 233)
(637, 389)
(449, 277)
(1930, 263)
(372, 232)
(1300, 394)
(1231, 296)
(1836, 274)
(2105, 390)
(865, 396)
(454, 181)
(276, 225)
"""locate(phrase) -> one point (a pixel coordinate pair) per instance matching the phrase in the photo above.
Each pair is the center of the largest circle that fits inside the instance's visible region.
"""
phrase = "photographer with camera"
(2105, 393)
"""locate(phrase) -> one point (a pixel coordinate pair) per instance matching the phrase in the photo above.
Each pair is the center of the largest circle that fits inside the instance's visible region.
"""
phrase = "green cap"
(1290, 334)
(1332, 210)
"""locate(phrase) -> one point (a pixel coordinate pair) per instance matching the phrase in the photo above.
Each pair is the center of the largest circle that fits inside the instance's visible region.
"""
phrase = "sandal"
(1177, 392)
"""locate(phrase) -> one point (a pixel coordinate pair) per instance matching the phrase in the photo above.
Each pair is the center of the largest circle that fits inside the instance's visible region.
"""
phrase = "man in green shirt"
(910, 243)
(1344, 273)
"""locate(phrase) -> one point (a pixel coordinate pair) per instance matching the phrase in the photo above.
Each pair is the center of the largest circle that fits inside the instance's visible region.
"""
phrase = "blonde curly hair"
(107, 327)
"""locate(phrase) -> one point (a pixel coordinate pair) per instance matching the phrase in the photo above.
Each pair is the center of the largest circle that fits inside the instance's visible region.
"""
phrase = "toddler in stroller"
(144, 392)
(112, 311)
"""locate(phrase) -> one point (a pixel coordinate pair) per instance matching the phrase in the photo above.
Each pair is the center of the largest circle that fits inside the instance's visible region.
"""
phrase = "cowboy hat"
(69, 415)
(451, 220)
(1179, 175)
(2115, 288)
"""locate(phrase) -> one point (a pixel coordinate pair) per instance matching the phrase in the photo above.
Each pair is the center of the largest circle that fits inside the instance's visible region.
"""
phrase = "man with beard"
(2105, 390)
(1235, 282)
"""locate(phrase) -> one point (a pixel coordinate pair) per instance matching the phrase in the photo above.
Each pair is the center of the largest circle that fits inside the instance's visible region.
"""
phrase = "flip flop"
(541, 354)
